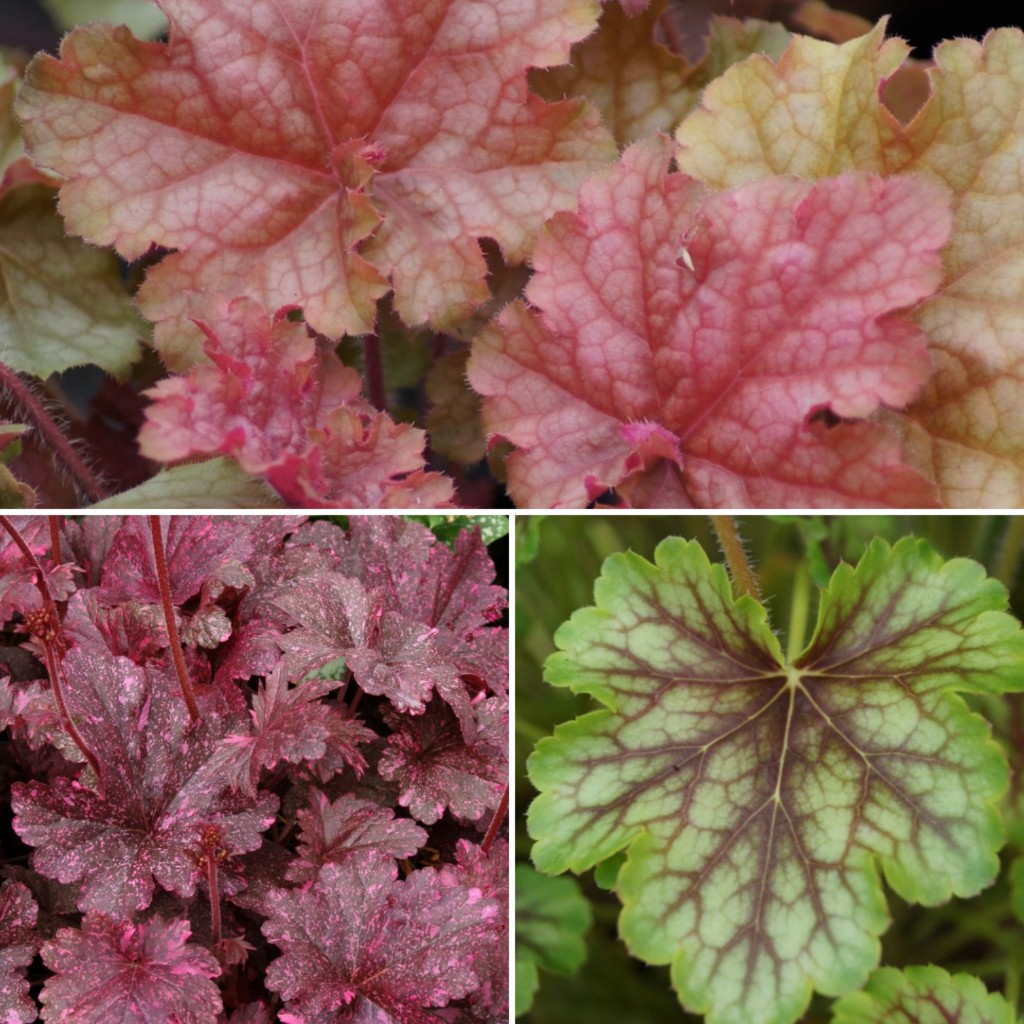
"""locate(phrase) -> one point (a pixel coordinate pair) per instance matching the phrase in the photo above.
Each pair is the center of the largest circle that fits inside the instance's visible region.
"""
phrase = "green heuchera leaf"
(62, 303)
(552, 916)
(759, 800)
(142, 17)
(922, 995)
(215, 483)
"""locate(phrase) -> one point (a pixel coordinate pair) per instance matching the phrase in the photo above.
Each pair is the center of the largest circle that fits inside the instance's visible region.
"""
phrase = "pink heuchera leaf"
(18, 945)
(284, 406)
(436, 768)
(268, 142)
(129, 973)
(158, 792)
(332, 832)
(377, 949)
(291, 725)
(701, 350)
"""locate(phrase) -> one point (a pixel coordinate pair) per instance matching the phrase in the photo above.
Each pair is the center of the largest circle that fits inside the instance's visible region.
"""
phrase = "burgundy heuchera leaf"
(268, 142)
(436, 768)
(374, 948)
(291, 725)
(18, 944)
(331, 832)
(717, 350)
(158, 792)
(409, 615)
(285, 407)
(129, 973)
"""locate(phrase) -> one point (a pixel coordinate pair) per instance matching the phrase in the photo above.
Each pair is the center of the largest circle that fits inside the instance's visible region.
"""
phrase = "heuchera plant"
(746, 804)
(220, 820)
(783, 275)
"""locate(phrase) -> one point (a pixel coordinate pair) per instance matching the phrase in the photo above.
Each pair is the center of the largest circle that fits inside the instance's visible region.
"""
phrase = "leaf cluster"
(320, 840)
(544, 258)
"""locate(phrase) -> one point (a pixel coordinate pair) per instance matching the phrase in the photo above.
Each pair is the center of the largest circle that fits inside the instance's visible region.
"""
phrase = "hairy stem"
(63, 450)
(53, 648)
(375, 372)
(172, 625)
(54, 522)
(735, 557)
(496, 822)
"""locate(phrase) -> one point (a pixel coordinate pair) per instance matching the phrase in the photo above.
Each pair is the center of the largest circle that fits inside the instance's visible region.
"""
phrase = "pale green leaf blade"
(144, 18)
(10, 133)
(552, 916)
(922, 995)
(758, 799)
(62, 302)
(216, 483)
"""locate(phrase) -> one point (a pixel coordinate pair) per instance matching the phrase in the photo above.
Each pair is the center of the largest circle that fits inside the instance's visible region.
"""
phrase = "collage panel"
(254, 768)
(769, 769)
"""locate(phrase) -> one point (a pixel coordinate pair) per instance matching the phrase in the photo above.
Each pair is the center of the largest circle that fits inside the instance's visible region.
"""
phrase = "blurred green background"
(557, 560)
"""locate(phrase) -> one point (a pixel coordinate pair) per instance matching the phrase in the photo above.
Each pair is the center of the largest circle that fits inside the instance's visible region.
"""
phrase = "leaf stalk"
(743, 577)
(172, 625)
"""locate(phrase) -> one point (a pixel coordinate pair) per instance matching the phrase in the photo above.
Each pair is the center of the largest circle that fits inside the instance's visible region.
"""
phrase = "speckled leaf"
(717, 350)
(435, 768)
(922, 995)
(332, 832)
(450, 591)
(18, 590)
(267, 143)
(761, 800)
(384, 950)
(129, 973)
(198, 549)
(157, 795)
(410, 616)
(821, 111)
(639, 85)
(488, 872)
(18, 945)
(552, 916)
(291, 725)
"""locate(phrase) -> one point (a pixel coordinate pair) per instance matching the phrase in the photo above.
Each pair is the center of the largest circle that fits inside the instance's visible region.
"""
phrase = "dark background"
(23, 23)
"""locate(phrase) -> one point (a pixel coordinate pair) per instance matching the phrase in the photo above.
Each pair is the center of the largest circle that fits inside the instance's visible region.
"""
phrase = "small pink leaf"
(285, 407)
(727, 384)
